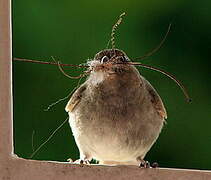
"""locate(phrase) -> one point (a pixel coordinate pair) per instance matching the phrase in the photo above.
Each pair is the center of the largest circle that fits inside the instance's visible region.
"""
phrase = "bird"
(115, 115)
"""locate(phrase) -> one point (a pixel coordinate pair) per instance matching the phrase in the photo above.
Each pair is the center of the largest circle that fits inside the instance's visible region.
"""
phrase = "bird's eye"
(104, 59)
(123, 58)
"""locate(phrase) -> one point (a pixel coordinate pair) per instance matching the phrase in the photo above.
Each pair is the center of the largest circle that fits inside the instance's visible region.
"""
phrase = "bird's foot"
(146, 164)
(81, 162)
(84, 162)
(155, 165)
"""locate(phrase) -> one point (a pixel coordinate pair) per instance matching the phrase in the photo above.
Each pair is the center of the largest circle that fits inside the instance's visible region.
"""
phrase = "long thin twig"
(50, 63)
(157, 48)
(129, 63)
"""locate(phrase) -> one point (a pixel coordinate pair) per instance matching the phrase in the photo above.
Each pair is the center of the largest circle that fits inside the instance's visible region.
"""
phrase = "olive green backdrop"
(73, 31)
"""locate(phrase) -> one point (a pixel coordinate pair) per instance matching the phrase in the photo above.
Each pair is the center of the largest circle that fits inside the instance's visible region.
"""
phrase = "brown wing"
(75, 99)
(156, 100)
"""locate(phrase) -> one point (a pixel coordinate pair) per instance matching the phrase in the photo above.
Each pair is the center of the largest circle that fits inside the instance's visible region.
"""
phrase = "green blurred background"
(73, 31)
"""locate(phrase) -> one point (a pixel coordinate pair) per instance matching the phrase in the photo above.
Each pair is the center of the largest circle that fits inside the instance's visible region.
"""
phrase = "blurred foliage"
(73, 31)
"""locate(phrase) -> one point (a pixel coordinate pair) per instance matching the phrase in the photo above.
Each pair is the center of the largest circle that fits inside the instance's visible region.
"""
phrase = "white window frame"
(14, 167)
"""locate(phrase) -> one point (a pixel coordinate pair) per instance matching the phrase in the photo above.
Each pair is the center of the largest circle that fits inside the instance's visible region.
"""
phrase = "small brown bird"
(115, 115)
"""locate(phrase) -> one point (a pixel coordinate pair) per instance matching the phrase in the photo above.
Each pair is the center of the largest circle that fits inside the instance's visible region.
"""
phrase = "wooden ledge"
(21, 169)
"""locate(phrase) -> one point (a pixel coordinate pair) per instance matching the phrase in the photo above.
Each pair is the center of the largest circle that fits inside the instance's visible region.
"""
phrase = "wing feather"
(156, 100)
(76, 98)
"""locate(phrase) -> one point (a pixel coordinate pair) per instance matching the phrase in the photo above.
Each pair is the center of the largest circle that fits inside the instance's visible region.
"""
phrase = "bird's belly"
(118, 136)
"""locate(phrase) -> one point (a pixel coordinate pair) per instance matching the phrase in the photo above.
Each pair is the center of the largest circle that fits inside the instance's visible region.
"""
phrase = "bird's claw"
(155, 165)
(146, 164)
(81, 162)
(84, 162)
